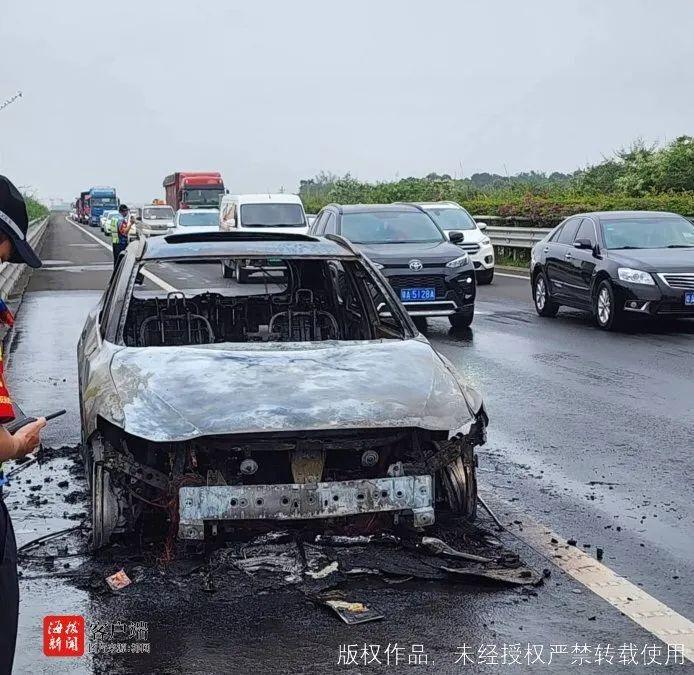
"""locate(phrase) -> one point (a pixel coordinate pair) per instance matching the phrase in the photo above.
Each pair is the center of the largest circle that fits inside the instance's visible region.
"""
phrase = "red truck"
(83, 207)
(194, 189)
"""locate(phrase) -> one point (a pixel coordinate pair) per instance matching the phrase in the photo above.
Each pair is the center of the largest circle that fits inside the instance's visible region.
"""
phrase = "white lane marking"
(152, 277)
(651, 614)
(511, 276)
(159, 282)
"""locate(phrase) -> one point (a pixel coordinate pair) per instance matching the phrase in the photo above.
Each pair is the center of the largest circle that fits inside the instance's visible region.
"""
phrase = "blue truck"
(100, 199)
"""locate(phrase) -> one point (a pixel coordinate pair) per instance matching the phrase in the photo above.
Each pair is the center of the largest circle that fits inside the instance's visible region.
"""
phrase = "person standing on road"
(120, 229)
(14, 248)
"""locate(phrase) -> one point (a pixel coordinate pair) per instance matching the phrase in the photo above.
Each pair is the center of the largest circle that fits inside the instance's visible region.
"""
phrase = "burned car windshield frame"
(113, 318)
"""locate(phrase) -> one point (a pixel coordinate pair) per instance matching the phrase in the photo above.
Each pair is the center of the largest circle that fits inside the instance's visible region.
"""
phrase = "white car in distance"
(189, 221)
(268, 212)
(105, 221)
(452, 217)
(156, 219)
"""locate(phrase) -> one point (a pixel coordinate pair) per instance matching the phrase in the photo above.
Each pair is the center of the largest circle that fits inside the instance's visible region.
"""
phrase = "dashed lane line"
(643, 609)
(146, 273)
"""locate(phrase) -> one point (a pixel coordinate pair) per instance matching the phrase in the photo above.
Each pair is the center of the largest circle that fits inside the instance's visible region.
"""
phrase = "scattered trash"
(397, 580)
(516, 577)
(118, 581)
(326, 571)
(490, 512)
(342, 540)
(63, 484)
(439, 547)
(571, 542)
(353, 612)
(599, 553)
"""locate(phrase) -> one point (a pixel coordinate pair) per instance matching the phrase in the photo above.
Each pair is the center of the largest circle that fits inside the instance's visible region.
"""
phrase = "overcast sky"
(269, 91)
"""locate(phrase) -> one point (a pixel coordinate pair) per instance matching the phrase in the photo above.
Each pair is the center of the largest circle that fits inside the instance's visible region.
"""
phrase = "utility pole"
(10, 100)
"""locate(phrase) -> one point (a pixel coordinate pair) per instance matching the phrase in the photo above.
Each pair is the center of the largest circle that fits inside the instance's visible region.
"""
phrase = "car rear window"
(390, 227)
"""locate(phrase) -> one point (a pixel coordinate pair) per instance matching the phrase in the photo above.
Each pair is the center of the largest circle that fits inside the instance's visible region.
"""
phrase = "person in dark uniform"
(14, 248)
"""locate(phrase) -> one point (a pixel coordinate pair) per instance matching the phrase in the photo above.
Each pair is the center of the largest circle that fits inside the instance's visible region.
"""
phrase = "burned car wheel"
(459, 484)
(104, 507)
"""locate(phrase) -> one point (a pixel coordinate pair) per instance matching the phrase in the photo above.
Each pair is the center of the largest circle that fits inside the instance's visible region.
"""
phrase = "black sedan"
(615, 264)
(430, 274)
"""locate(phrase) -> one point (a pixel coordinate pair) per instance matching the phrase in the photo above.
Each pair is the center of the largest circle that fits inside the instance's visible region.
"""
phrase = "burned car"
(306, 395)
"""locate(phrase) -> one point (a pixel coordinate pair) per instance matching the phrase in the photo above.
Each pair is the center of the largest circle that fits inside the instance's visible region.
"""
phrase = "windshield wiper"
(621, 248)
(679, 246)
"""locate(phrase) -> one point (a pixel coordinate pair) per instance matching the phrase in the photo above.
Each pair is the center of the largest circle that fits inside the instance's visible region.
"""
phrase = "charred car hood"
(178, 393)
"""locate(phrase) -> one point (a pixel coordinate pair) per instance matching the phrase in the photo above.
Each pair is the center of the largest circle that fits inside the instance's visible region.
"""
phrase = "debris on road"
(118, 581)
(518, 577)
(439, 547)
(350, 612)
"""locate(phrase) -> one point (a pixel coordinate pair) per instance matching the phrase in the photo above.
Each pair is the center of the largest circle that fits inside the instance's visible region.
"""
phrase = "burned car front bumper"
(409, 495)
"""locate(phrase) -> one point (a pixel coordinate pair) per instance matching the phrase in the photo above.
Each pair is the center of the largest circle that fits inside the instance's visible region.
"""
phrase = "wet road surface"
(590, 435)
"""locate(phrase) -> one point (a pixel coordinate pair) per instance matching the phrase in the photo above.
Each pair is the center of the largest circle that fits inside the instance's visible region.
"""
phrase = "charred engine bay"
(357, 478)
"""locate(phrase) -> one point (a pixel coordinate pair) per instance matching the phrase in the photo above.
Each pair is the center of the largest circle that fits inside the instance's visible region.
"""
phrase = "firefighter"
(14, 248)
(120, 229)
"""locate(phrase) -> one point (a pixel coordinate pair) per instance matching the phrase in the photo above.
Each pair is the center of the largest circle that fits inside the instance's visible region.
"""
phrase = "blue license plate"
(417, 294)
(689, 297)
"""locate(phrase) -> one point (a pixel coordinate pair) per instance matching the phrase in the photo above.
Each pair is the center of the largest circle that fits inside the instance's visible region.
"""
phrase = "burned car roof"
(270, 244)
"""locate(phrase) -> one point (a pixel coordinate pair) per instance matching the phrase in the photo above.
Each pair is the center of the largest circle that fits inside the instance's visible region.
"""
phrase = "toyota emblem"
(416, 265)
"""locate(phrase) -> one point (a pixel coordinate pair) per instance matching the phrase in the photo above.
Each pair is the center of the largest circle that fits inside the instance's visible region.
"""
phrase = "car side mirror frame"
(139, 278)
(482, 226)
(456, 237)
(584, 244)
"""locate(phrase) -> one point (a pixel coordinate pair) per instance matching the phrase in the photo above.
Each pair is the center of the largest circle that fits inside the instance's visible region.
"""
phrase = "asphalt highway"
(590, 440)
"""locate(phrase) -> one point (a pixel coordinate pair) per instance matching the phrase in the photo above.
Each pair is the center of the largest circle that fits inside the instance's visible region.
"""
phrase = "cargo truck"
(82, 207)
(100, 199)
(193, 189)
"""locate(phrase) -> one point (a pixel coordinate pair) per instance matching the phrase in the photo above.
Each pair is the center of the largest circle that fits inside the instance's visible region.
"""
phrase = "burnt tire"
(462, 319)
(485, 277)
(544, 305)
(459, 483)
(103, 506)
(606, 311)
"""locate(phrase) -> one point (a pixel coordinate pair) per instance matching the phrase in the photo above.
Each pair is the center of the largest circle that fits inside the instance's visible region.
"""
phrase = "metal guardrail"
(11, 273)
(516, 237)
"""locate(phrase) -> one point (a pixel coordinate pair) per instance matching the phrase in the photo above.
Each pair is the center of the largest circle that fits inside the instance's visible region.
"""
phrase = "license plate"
(417, 294)
(689, 297)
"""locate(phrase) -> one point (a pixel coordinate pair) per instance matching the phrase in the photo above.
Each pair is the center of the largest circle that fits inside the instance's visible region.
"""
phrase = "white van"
(259, 213)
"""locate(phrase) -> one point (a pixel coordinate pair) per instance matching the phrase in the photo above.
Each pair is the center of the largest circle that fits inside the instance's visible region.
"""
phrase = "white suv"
(452, 217)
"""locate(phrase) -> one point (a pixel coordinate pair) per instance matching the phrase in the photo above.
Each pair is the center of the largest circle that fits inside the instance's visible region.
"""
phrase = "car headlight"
(458, 262)
(486, 241)
(635, 276)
